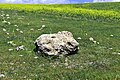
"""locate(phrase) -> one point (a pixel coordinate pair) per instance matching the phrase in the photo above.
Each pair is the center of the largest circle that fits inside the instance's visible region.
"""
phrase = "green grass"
(93, 62)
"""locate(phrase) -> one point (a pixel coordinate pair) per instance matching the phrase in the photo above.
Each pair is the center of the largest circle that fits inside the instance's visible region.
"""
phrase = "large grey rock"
(61, 43)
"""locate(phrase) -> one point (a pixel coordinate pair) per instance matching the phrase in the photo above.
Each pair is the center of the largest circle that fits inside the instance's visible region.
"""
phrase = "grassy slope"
(93, 61)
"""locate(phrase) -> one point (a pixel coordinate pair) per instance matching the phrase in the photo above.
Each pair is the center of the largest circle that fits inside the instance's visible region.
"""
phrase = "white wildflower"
(21, 32)
(9, 23)
(32, 29)
(43, 19)
(98, 43)
(91, 39)
(86, 34)
(79, 38)
(4, 21)
(111, 35)
(17, 29)
(4, 29)
(20, 55)
(10, 42)
(35, 57)
(24, 62)
(110, 48)
(7, 15)
(94, 42)
(2, 75)
(2, 15)
(28, 24)
(10, 49)
(11, 63)
(16, 25)
(7, 33)
(43, 26)
(118, 53)
(8, 37)
(66, 64)
(13, 44)
(39, 29)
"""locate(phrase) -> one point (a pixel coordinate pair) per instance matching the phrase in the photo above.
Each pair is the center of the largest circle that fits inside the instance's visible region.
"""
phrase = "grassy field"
(97, 59)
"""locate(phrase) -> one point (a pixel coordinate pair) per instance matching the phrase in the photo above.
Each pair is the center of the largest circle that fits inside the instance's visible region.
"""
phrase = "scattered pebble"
(20, 48)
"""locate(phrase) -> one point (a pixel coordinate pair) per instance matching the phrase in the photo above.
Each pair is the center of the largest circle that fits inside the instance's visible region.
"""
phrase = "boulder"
(61, 43)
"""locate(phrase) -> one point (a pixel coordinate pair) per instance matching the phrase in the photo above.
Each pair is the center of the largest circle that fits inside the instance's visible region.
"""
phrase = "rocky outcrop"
(61, 43)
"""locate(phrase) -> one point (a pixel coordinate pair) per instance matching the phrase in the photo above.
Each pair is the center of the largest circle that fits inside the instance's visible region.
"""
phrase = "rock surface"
(61, 43)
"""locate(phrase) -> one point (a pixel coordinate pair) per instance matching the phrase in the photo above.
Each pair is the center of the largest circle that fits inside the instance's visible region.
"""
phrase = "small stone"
(20, 48)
